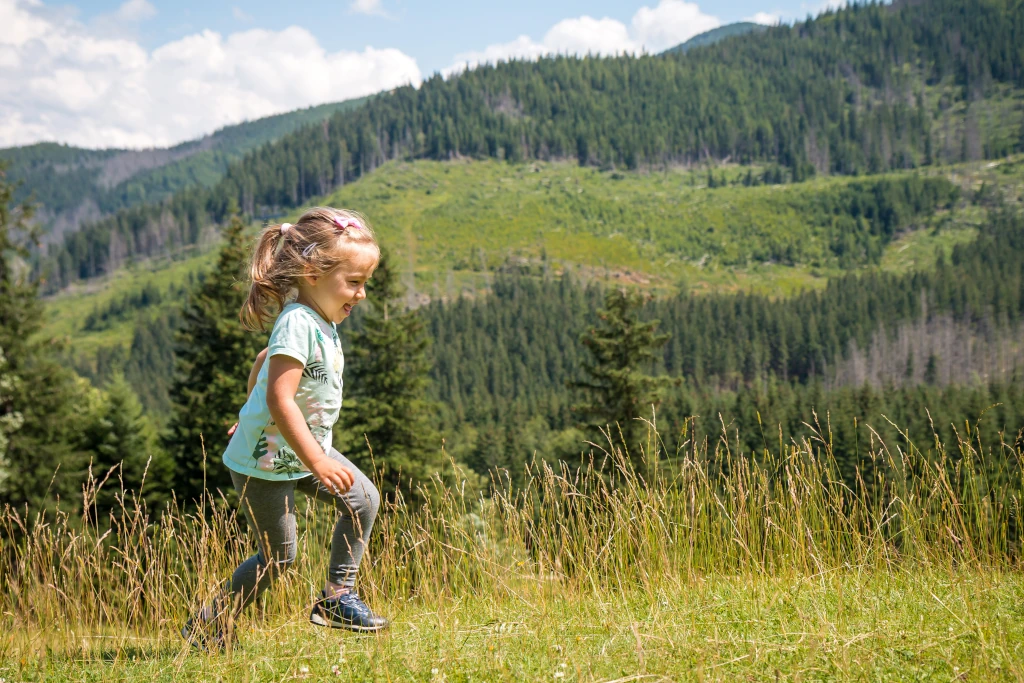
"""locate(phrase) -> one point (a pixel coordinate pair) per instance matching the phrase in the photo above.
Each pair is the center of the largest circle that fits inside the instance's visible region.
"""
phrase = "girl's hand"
(232, 428)
(332, 474)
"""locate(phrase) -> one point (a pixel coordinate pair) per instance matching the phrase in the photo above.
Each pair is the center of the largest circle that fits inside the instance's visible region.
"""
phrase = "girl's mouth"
(347, 308)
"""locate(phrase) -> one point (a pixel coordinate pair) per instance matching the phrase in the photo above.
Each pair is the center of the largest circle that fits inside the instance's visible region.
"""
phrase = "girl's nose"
(361, 293)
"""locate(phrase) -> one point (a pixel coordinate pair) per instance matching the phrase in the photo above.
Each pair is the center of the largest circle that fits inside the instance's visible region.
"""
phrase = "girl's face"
(338, 291)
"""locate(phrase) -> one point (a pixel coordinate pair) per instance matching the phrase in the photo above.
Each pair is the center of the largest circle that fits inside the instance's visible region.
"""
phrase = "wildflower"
(336, 670)
(559, 674)
(433, 672)
(303, 670)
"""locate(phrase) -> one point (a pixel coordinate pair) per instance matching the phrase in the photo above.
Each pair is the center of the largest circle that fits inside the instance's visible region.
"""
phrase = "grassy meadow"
(711, 565)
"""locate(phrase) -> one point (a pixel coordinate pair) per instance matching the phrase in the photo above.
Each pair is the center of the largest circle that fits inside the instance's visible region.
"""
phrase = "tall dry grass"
(702, 509)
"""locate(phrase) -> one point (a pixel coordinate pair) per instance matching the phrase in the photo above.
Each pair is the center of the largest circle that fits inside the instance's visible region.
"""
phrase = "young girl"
(283, 438)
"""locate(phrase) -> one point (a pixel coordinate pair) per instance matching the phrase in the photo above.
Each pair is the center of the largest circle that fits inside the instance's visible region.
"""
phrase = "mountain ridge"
(716, 35)
(73, 185)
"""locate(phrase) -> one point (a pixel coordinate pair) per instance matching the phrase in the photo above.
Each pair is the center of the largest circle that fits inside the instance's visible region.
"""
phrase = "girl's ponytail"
(322, 239)
(265, 291)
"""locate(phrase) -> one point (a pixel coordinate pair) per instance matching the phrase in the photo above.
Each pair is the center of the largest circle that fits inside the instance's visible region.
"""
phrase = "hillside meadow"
(451, 223)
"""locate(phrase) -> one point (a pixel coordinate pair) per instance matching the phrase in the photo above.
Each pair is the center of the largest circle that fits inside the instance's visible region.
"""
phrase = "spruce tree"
(618, 388)
(214, 354)
(41, 398)
(386, 381)
(124, 443)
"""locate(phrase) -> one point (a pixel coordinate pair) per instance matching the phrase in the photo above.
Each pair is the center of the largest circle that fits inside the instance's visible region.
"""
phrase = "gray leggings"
(270, 508)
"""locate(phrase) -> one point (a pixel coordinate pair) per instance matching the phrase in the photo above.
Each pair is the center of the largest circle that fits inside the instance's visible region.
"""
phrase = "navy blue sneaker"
(346, 611)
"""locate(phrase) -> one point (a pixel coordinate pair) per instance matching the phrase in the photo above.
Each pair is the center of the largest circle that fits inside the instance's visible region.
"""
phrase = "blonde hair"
(319, 242)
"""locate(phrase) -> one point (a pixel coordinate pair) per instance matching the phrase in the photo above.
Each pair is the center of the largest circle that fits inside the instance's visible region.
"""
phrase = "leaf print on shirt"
(287, 461)
(262, 455)
(261, 447)
(316, 372)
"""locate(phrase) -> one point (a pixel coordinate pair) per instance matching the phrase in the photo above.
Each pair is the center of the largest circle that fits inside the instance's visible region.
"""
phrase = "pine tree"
(386, 401)
(124, 443)
(618, 388)
(214, 353)
(41, 399)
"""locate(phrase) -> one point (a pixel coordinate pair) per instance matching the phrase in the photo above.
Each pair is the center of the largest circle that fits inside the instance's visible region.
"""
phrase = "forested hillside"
(502, 363)
(451, 225)
(72, 185)
(866, 89)
(506, 340)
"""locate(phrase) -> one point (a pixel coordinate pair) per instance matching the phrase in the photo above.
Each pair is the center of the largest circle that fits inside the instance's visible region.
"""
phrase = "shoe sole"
(317, 619)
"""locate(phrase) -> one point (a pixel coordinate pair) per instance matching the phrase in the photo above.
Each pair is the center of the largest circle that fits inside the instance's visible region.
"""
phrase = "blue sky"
(152, 73)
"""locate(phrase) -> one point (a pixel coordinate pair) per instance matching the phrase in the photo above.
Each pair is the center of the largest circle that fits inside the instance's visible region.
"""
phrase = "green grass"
(719, 565)
(844, 625)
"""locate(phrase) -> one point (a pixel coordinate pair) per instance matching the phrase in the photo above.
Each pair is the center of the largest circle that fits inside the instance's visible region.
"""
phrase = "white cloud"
(135, 10)
(241, 15)
(372, 7)
(670, 23)
(587, 35)
(652, 29)
(62, 82)
(766, 18)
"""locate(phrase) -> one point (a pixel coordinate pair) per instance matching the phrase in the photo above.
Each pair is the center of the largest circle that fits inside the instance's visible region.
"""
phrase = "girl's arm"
(253, 375)
(255, 372)
(282, 383)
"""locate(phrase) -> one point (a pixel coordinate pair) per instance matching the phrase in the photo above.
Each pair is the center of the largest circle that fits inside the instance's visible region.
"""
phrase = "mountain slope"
(450, 225)
(72, 184)
(458, 228)
(716, 34)
(862, 90)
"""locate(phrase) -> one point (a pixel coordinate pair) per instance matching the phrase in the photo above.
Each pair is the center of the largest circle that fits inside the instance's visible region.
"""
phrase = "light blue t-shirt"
(257, 448)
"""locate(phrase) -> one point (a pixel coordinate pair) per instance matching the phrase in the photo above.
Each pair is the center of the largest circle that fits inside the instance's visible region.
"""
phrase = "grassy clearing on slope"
(66, 312)
(716, 564)
(665, 226)
(451, 223)
(919, 249)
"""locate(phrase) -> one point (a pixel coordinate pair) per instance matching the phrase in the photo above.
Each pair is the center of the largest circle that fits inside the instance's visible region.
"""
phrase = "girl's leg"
(269, 506)
(358, 510)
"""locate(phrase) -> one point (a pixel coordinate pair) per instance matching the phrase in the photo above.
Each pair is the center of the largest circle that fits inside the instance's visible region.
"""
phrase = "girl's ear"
(309, 275)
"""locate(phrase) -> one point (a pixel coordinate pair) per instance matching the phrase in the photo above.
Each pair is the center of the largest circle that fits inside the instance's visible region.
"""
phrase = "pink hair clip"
(285, 227)
(345, 223)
